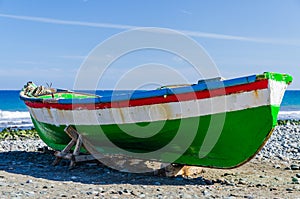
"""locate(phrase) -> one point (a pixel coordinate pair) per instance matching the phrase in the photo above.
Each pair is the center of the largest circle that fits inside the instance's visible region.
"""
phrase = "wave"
(15, 119)
(289, 115)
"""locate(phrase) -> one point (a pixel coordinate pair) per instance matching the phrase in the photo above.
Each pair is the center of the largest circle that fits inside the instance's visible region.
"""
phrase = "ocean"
(14, 114)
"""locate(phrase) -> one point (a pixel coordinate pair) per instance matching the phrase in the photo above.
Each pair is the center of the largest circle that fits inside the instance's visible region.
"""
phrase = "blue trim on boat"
(201, 86)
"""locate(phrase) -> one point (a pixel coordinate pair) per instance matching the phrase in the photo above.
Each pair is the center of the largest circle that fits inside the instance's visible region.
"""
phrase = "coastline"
(26, 172)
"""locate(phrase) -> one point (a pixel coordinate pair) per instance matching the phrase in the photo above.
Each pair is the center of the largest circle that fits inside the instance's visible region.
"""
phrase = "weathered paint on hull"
(251, 108)
(243, 134)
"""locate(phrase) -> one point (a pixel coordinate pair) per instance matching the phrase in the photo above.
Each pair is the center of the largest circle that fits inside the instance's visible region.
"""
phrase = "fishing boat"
(213, 123)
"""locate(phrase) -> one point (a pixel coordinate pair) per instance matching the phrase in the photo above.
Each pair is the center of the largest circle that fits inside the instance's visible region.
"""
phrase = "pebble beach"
(26, 172)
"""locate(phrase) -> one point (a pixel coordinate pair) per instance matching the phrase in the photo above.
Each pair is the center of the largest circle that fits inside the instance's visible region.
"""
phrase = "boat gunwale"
(136, 94)
(202, 85)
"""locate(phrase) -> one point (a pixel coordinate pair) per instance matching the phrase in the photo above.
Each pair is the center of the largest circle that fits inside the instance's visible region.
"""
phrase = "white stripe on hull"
(277, 91)
(167, 111)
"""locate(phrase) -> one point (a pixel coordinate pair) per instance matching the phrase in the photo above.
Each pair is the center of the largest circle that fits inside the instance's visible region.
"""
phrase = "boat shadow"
(39, 165)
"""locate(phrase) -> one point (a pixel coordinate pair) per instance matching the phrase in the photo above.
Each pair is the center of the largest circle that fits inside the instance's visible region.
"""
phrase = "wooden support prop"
(174, 170)
(76, 140)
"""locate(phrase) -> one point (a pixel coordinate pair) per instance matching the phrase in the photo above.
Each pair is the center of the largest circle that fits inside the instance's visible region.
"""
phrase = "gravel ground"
(26, 172)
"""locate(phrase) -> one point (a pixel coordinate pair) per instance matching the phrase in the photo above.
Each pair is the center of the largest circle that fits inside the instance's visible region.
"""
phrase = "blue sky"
(47, 41)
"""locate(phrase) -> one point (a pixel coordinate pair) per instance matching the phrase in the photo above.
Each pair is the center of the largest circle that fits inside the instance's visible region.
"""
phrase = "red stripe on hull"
(156, 100)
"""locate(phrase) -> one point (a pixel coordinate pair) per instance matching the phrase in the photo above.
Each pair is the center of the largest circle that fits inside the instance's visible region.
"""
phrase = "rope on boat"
(31, 90)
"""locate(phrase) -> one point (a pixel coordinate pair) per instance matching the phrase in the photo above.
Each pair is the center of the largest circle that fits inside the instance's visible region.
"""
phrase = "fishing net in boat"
(31, 90)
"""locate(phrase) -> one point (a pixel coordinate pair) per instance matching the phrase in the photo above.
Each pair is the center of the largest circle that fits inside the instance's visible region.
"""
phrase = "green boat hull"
(244, 132)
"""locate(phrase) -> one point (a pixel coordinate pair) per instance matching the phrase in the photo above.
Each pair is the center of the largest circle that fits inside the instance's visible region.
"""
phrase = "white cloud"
(198, 34)
(66, 22)
(30, 62)
(186, 12)
(77, 57)
(178, 59)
